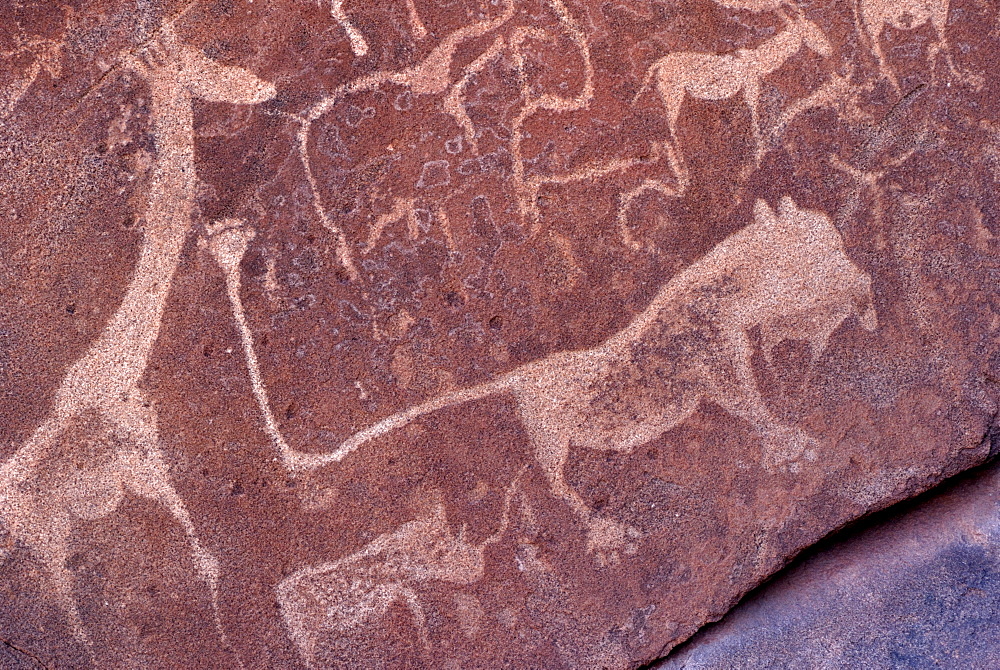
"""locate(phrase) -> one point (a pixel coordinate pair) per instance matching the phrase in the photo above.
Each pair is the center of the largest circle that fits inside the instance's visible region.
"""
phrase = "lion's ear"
(763, 214)
(787, 206)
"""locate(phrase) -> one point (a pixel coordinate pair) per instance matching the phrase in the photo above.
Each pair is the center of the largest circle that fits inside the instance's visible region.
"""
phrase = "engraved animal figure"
(905, 15)
(431, 76)
(101, 438)
(719, 77)
(354, 592)
(787, 274)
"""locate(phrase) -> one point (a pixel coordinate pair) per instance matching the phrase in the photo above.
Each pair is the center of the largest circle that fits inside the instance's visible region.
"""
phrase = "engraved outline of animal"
(786, 273)
(709, 76)
(431, 76)
(418, 551)
(875, 15)
(103, 385)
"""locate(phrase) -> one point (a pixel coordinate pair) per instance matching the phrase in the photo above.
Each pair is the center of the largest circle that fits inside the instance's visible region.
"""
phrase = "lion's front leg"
(607, 538)
(735, 389)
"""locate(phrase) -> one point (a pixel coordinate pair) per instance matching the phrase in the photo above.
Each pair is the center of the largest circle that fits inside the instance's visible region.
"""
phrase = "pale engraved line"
(430, 76)
(358, 44)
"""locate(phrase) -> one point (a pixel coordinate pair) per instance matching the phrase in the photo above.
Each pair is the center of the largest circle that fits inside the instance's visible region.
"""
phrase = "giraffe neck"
(118, 358)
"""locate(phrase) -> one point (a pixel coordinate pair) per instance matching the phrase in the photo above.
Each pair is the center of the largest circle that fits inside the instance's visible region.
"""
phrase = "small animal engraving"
(718, 77)
(350, 593)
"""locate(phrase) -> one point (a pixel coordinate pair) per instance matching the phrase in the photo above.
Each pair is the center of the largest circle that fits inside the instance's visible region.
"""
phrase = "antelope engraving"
(719, 77)
(350, 593)
(101, 438)
(786, 274)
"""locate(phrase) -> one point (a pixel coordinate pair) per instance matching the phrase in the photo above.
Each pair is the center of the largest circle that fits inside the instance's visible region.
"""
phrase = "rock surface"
(920, 591)
(463, 334)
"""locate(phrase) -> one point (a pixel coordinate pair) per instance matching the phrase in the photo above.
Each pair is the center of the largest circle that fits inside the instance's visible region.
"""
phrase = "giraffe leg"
(146, 474)
(48, 538)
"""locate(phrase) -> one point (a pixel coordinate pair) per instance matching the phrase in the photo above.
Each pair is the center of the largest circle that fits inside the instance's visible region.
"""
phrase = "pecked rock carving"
(358, 43)
(691, 344)
(907, 15)
(429, 77)
(101, 440)
(718, 77)
(450, 193)
(357, 590)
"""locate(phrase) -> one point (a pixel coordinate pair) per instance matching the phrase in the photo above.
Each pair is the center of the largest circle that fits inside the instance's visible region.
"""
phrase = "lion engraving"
(786, 274)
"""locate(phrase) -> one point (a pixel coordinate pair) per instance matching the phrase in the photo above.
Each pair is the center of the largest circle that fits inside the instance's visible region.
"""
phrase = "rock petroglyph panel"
(101, 439)
(474, 334)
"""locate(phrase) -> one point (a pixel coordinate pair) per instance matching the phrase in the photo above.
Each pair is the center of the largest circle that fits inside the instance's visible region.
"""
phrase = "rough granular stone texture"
(919, 591)
(447, 333)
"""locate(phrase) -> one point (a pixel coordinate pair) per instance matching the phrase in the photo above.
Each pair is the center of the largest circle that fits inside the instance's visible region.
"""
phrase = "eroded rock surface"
(918, 591)
(464, 334)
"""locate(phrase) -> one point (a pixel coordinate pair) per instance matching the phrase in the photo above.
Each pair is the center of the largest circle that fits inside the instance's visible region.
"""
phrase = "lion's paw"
(609, 540)
(786, 447)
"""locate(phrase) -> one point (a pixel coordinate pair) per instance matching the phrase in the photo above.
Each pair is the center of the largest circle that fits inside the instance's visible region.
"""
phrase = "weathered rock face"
(918, 591)
(527, 333)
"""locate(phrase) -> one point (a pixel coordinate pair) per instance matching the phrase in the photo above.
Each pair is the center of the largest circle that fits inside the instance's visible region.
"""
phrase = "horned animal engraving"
(101, 439)
(719, 77)
(347, 594)
(786, 274)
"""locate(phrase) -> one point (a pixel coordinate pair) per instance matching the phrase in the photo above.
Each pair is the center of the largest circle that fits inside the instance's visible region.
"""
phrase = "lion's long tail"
(304, 461)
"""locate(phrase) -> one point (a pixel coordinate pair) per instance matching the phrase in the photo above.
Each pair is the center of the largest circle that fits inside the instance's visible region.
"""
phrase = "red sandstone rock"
(526, 334)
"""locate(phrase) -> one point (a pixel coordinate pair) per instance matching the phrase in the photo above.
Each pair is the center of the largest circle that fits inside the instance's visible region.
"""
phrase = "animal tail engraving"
(400, 419)
(228, 240)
